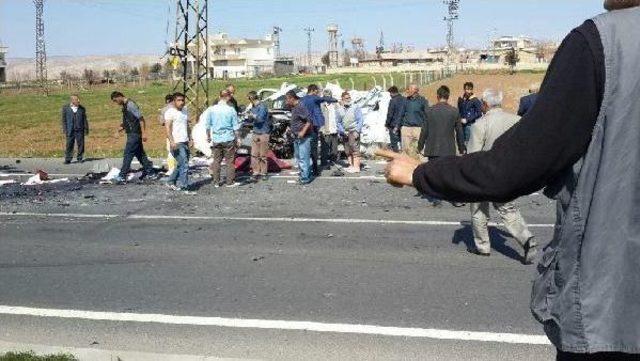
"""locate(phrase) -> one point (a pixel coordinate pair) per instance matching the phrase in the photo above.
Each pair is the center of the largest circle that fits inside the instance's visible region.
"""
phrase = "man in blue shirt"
(223, 132)
(301, 126)
(312, 102)
(259, 114)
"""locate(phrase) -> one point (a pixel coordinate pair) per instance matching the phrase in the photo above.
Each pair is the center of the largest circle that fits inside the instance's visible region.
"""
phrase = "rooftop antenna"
(309, 31)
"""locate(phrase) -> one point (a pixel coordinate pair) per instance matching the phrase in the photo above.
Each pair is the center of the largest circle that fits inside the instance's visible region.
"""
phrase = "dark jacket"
(470, 109)
(74, 122)
(526, 103)
(395, 112)
(415, 109)
(438, 132)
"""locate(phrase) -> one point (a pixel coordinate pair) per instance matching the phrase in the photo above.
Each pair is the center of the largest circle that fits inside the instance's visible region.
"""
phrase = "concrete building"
(3, 64)
(526, 48)
(241, 58)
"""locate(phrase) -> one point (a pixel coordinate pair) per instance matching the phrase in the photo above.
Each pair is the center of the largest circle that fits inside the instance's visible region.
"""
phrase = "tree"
(512, 60)
(134, 72)
(145, 70)
(156, 68)
(89, 76)
(325, 59)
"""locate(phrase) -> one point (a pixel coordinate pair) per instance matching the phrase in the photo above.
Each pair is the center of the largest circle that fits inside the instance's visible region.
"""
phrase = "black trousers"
(134, 148)
(315, 144)
(76, 137)
(604, 356)
(394, 140)
(329, 147)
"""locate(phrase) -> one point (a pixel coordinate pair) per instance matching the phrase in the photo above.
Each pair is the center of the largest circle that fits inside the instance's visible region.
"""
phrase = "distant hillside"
(24, 68)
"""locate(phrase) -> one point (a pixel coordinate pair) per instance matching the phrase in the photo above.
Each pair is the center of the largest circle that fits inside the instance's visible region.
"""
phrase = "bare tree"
(145, 70)
(89, 76)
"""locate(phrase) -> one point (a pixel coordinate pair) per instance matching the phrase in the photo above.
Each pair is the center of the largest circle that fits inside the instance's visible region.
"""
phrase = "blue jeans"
(180, 175)
(467, 132)
(303, 158)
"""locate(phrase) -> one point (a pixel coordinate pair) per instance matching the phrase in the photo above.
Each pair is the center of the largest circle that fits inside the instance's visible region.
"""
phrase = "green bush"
(30, 356)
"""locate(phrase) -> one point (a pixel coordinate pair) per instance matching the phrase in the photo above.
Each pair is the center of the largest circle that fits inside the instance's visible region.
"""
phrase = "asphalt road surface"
(347, 268)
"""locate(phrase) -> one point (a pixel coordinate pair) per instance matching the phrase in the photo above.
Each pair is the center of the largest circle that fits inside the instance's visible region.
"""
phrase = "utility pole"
(276, 41)
(309, 31)
(190, 49)
(380, 47)
(333, 45)
(41, 49)
(453, 8)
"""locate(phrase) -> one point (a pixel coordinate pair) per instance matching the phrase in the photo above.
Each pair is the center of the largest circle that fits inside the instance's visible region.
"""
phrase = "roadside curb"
(91, 354)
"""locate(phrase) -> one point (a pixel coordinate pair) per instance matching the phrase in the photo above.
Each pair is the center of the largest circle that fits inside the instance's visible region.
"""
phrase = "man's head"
(327, 93)
(168, 98)
(313, 89)
(231, 89)
(178, 100)
(443, 93)
(253, 97)
(493, 98)
(468, 88)
(225, 95)
(291, 98)
(413, 90)
(75, 100)
(394, 90)
(346, 98)
(620, 4)
(118, 98)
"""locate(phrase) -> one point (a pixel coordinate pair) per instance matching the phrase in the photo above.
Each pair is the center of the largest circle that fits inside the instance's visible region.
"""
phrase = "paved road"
(343, 251)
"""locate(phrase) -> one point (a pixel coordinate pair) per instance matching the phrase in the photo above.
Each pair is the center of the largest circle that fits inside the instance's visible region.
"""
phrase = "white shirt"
(74, 108)
(180, 122)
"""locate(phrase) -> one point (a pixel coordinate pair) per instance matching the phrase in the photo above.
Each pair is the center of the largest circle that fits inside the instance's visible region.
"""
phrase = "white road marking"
(254, 219)
(511, 338)
(274, 176)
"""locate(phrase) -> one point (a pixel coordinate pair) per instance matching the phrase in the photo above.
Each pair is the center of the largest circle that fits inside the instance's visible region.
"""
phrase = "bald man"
(581, 143)
(74, 126)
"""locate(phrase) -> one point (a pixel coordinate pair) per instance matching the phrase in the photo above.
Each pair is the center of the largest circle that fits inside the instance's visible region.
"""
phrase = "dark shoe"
(530, 251)
(478, 253)
(67, 162)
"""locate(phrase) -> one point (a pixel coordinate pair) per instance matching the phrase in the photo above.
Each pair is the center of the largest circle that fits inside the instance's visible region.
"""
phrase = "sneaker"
(67, 162)
(174, 187)
(216, 185)
(234, 185)
(118, 180)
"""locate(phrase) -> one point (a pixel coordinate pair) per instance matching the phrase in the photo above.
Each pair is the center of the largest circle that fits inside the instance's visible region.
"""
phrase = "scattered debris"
(113, 174)
(134, 176)
(258, 258)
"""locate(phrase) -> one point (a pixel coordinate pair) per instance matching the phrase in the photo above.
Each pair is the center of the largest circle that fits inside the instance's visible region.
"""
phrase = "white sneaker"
(234, 185)
(352, 170)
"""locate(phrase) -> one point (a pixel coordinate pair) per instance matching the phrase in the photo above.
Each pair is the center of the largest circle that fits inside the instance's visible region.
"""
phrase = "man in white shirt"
(177, 126)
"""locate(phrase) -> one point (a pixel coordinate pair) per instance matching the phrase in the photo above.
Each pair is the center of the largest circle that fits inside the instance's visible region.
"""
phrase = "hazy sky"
(100, 27)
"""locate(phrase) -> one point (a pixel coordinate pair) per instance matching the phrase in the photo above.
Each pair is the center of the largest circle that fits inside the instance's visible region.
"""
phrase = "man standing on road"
(484, 133)
(177, 126)
(74, 126)
(301, 126)
(527, 101)
(134, 125)
(586, 151)
(312, 102)
(441, 129)
(350, 121)
(394, 118)
(168, 104)
(259, 114)
(470, 108)
(415, 111)
(329, 132)
(223, 132)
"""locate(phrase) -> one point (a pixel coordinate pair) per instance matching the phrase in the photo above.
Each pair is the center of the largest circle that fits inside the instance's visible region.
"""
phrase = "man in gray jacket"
(484, 132)
(74, 126)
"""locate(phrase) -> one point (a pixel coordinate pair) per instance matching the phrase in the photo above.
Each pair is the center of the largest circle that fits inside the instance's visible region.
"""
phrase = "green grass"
(30, 121)
(30, 356)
